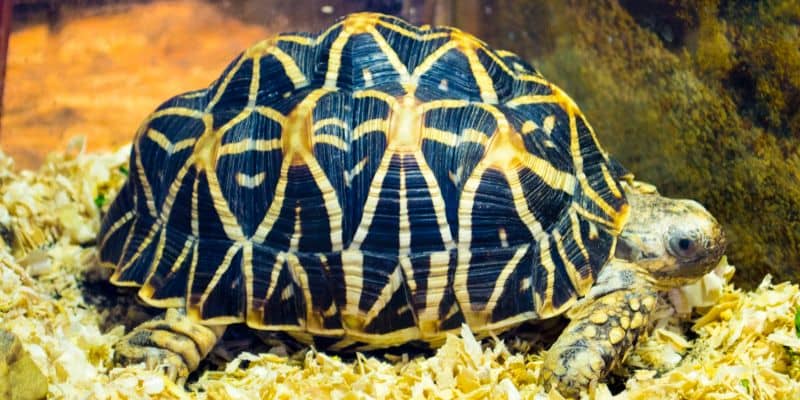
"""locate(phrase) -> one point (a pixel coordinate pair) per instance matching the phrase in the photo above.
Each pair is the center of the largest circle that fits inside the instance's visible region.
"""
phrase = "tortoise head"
(676, 241)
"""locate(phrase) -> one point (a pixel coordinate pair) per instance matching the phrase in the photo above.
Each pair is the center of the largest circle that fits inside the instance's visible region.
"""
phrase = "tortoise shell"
(376, 183)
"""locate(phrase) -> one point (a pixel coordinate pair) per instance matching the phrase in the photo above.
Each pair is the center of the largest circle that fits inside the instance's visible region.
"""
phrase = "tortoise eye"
(683, 246)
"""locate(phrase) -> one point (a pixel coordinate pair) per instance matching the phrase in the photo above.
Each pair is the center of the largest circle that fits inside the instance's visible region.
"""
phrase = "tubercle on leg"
(597, 339)
(173, 342)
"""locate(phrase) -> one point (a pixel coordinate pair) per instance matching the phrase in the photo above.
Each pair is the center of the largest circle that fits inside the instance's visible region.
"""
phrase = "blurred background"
(700, 97)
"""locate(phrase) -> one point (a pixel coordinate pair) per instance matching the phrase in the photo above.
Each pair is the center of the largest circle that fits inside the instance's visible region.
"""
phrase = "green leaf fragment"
(100, 200)
(797, 322)
(123, 170)
(745, 384)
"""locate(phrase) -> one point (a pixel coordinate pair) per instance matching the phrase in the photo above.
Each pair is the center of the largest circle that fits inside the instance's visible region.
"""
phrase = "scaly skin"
(171, 342)
(605, 326)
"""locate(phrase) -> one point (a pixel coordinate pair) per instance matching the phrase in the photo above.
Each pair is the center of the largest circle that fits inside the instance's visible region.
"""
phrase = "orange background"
(99, 76)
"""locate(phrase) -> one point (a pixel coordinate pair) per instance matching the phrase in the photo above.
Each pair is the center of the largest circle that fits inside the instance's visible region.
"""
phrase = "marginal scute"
(370, 185)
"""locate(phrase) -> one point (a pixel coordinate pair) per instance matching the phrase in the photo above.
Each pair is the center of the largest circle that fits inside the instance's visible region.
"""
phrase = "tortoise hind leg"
(171, 342)
(605, 326)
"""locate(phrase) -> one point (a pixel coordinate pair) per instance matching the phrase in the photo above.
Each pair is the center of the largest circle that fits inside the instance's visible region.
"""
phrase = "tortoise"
(379, 184)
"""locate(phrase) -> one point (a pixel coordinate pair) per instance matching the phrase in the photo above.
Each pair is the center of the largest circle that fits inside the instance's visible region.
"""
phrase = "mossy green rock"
(701, 98)
(20, 378)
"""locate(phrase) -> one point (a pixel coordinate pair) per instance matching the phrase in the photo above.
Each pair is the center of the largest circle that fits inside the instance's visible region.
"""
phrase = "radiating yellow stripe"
(577, 158)
(500, 282)
(296, 137)
(290, 67)
(353, 271)
(377, 94)
(437, 200)
(274, 275)
(272, 114)
(482, 78)
(398, 29)
(184, 144)
(229, 222)
(142, 246)
(160, 139)
(219, 271)
(195, 94)
(297, 232)
(446, 138)
(581, 284)
(274, 211)
(249, 278)
(499, 117)
(174, 188)
(394, 284)
(333, 210)
(332, 140)
(495, 56)
(431, 60)
(115, 226)
(610, 182)
(241, 116)
(146, 188)
(391, 55)
(548, 309)
(466, 205)
(428, 318)
(521, 206)
(533, 78)
(421, 36)
(159, 252)
(404, 223)
(174, 112)
(370, 125)
(338, 122)
(590, 216)
(371, 205)
(553, 177)
(443, 104)
(249, 145)
(474, 136)
(314, 323)
(451, 139)
(255, 81)
(532, 99)
(224, 84)
(195, 213)
(192, 270)
(301, 40)
(324, 35)
(576, 233)
(335, 59)
(147, 290)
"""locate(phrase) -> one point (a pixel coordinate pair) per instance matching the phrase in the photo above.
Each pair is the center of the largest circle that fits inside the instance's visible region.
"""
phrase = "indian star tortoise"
(379, 184)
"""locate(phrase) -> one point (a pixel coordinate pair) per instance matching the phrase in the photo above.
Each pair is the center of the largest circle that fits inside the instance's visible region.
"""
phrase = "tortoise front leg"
(603, 328)
(171, 342)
